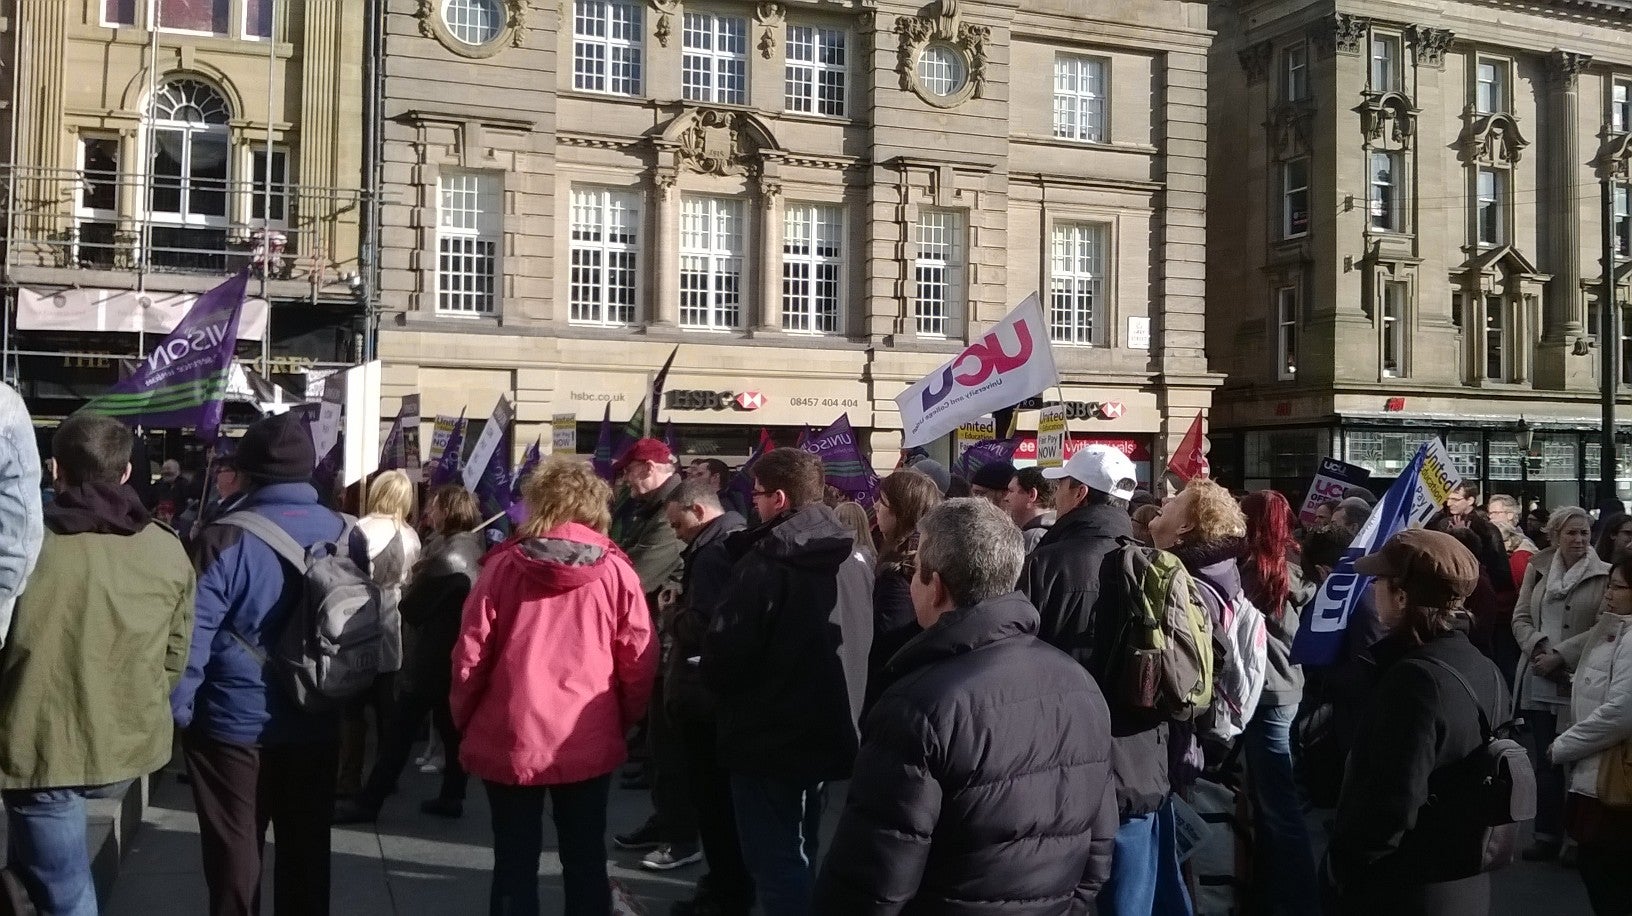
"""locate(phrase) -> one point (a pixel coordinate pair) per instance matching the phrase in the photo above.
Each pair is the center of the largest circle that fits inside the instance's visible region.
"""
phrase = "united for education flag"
(183, 381)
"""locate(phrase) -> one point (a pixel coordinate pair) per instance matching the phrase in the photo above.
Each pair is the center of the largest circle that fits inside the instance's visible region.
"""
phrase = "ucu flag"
(1011, 362)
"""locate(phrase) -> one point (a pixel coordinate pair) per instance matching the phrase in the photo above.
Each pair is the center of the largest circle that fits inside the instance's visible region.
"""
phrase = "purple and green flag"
(985, 452)
(843, 465)
(495, 488)
(184, 380)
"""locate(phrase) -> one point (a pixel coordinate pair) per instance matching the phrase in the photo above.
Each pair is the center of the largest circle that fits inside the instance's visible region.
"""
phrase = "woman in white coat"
(1602, 708)
(1559, 601)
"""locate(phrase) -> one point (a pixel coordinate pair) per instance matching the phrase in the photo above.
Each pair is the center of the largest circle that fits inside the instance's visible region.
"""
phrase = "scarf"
(1561, 581)
(96, 508)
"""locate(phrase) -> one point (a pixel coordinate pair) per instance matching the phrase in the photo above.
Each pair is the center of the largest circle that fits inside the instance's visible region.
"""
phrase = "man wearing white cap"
(1063, 578)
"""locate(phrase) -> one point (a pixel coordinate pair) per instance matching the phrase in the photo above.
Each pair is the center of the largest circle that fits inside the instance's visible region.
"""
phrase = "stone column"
(44, 186)
(768, 313)
(665, 263)
(1563, 320)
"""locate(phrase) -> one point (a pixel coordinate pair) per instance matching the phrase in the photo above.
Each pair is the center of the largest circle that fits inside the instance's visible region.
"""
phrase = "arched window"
(191, 153)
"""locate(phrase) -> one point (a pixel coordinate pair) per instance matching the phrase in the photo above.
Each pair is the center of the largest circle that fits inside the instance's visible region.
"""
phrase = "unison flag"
(603, 459)
(843, 465)
(488, 442)
(529, 461)
(985, 452)
(401, 448)
(183, 381)
(495, 489)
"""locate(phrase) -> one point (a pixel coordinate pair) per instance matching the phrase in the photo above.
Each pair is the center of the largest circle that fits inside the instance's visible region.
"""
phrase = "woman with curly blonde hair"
(553, 666)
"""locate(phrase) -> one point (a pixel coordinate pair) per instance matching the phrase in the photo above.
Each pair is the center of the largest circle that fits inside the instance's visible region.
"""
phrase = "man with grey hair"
(984, 777)
(1503, 509)
(1351, 514)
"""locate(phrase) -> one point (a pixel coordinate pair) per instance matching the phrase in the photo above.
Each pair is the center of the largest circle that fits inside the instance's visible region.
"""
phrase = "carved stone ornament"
(1390, 114)
(1564, 67)
(431, 25)
(666, 10)
(1289, 129)
(1493, 139)
(1615, 162)
(968, 42)
(769, 18)
(1431, 44)
(1343, 33)
(1255, 61)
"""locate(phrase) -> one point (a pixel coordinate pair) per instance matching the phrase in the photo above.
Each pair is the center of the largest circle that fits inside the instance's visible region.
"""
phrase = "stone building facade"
(156, 148)
(816, 201)
(1406, 235)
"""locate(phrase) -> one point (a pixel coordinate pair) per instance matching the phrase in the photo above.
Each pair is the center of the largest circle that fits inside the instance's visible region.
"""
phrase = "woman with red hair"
(1272, 579)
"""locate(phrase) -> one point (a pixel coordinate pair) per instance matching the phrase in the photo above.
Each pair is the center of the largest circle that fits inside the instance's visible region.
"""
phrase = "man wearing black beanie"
(246, 741)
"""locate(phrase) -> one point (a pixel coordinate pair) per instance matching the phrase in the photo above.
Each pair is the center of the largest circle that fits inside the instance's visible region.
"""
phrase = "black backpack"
(1493, 788)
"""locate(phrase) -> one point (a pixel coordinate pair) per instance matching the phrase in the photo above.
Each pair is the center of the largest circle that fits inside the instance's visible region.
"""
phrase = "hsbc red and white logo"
(701, 399)
(750, 400)
(1111, 410)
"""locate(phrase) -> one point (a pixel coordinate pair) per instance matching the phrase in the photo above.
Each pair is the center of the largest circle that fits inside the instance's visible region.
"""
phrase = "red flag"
(1190, 459)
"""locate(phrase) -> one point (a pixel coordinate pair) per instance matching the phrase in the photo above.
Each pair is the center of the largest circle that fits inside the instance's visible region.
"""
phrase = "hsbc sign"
(699, 399)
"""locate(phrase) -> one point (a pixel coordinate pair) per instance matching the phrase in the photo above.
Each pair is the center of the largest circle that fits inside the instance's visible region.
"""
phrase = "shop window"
(1385, 63)
(1396, 295)
(1620, 106)
(607, 38)
(1490, 86)
(1076, 283)
(467, 243)
(714, 65)
(1386, 185)
(817, 71)
(96, 207)
(1295, 73)
(1490, 202)
(1496, 348)
(938, 273)
(208, 17)
(712, 235)
(1295, 198)
(605, 256)
(1079, 98)
(812, 268)
(1287, 333)
(1466, 450)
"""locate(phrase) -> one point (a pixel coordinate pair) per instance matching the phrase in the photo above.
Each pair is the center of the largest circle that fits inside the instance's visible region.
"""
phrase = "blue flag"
(1325, 622)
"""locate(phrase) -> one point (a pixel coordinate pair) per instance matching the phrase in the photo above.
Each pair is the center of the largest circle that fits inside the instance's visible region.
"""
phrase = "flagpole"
(149, 122)
(646, 414)
(266, 194)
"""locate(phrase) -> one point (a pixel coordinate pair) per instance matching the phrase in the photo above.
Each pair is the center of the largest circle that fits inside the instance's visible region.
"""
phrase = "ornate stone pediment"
(1493, 139)
(1289, 129)
(1255, 61)
(1343, 33)
(768, 18)
(717, 141)
(1564, 67)
(1387, 114)
(966, 41)
(665, 11)
(1431, 44)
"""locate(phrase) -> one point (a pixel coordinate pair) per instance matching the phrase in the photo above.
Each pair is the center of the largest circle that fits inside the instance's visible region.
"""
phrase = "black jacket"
(706, 572)
(433, 603)
(895, 623)
(1063, 579)
(983, 783)
(1390, 839)
(786, 653)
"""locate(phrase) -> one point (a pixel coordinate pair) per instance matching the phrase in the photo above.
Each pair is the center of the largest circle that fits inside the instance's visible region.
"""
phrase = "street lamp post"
(1525, 437)
(1609, 343)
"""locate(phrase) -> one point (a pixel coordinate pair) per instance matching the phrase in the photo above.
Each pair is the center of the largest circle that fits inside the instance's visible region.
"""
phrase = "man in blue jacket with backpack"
(257, 755)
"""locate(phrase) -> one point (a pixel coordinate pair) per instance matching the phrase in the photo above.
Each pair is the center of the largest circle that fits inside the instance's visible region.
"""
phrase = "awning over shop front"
(120, 311)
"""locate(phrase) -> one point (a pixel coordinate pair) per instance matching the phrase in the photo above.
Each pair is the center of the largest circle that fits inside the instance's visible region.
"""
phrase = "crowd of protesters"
(955, 651)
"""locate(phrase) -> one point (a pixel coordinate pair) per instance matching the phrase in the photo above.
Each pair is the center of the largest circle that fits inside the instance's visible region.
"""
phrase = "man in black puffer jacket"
(984, 780)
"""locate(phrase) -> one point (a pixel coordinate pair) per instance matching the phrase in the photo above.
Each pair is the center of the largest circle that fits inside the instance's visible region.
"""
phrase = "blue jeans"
(579, 811)
(1288, 868)
(46, 846)
(778, 821)
(1145, 878)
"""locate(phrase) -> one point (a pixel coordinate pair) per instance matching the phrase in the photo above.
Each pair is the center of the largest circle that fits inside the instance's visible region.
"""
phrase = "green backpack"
(1162, 660)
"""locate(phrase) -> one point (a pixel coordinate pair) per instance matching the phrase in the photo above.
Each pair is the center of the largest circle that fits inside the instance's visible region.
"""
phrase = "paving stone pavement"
(409, 864)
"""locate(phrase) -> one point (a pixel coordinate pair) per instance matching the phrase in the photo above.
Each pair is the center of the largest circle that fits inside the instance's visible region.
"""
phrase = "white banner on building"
(1012, 362)
(490, 439)
(121, 310)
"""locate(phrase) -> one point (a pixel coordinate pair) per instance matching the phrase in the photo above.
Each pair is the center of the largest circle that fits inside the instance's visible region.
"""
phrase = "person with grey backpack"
(287, 628)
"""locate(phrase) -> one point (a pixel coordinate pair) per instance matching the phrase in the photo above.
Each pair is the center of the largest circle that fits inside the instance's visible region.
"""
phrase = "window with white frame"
(1079, 97)
(474, 22)
(817, 71)
(207, 17)
(273, 190)
(1622, 195)
(1496, 349)
(1620, 106)
(118, 12)
(1490, 85)
(712, 234)
(1385, 192)
(605, 256)
(258, 18)
(1295, 198)
(1395, 301)
(1286, 333)
(937, 272)
(468, 225)
(96, 204)
(1385, 63)
(607, 38)
(190, 153)
(812, 268)
(1490, 196)
(714, 65)
(1295, 73)
(1076, 283)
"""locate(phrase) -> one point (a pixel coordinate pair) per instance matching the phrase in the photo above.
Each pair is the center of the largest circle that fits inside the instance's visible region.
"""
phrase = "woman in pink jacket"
(554, 664)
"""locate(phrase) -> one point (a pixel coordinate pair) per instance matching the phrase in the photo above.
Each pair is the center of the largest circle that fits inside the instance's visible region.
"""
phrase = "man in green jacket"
(99, 640)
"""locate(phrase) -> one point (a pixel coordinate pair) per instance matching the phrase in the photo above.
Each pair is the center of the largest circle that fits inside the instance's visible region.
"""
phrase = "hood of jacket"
(1216, 564)
(966, 629)
(453, 554)
(98, 508)
(811, 537)
(1097, 520)
(716, 531)
(564, 558)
